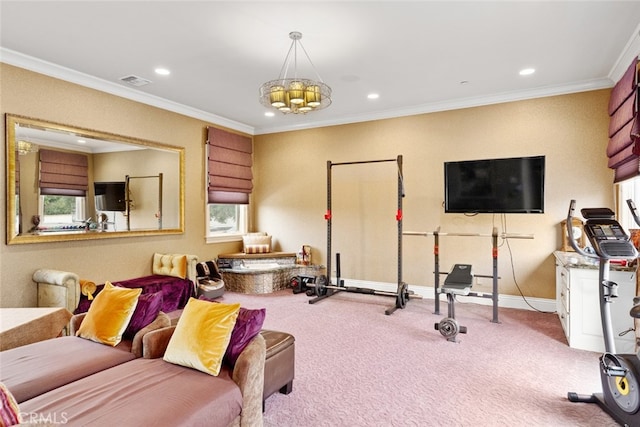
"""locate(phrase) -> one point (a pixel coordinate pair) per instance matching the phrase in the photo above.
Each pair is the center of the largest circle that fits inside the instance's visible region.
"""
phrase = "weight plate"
(294, 283)
(401, 297)
(321, 286)
(405, 294)
(448, 327)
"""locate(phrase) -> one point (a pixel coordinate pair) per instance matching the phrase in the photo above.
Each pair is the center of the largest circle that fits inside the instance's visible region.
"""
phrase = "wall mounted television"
(110, 196)
(509, 185)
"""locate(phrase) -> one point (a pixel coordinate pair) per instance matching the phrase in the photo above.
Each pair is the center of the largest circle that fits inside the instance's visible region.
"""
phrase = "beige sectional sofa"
(79, 382)
(150, 391)
(31, 370)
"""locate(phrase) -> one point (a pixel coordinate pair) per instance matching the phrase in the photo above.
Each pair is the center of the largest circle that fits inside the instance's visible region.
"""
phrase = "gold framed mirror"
(69, 183)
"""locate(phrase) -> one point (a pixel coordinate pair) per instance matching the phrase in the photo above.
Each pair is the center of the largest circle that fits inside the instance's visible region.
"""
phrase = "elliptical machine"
(619, 373)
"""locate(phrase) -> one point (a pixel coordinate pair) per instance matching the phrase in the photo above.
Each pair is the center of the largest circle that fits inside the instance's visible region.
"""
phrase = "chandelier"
(292, 93)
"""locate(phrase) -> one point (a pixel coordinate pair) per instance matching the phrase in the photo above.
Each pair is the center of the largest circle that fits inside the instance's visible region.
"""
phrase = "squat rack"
(494, 256)
(324, 288)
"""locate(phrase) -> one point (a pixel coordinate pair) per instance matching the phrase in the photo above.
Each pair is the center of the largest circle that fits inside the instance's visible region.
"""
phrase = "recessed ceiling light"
(269, 114)
(527, 71)
(82, 141)
(373, 96)
(162, 71)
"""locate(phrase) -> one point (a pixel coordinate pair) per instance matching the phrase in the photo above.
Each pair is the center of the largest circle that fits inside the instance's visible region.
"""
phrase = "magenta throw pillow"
(149, 305)
(248, 325)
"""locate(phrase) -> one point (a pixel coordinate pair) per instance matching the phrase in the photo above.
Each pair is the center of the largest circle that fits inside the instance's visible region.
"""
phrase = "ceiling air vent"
(135, 80)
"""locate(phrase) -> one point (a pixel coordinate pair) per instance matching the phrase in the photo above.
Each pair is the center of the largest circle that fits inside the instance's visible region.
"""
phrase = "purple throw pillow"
(149, 305)
(248, 325)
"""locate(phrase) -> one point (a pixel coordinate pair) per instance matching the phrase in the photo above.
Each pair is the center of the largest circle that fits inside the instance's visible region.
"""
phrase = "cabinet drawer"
(563, 278)
(563, 314)
(563, 290)
(565, 296)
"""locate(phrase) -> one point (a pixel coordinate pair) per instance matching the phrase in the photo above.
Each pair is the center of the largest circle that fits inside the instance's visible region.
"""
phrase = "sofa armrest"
(161, 321)
(74, 323)
(155, 342)
(57, 288)
(248, 373)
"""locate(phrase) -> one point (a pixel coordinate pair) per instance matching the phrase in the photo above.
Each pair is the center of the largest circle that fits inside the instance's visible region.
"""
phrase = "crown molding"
(452, 105)
(17, 59)
(50, 69)
(630, 51)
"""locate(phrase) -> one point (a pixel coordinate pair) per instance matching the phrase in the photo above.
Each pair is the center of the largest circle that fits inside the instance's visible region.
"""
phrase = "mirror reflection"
(67, 183)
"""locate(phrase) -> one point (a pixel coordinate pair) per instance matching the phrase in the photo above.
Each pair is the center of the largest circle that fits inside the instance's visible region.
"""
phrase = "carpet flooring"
(356, 366)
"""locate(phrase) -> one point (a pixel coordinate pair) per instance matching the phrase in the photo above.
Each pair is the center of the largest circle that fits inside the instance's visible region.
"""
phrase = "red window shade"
(620, 141)
(627, 170)
(63, 174)
(229, 162)
(624, 146)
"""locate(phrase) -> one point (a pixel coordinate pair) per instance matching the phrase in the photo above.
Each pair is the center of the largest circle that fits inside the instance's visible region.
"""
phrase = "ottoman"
(279, 365)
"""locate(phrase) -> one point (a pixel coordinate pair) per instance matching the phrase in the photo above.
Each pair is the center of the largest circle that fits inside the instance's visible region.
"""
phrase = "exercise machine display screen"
(608, 238)
(608, 232)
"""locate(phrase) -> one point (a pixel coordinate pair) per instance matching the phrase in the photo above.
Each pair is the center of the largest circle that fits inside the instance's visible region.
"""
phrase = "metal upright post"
(494, 255)
(328, 216)
(605, 306)
(160, 201)
(400, 289)
(399, 219)
(436, 270)
(127, 201)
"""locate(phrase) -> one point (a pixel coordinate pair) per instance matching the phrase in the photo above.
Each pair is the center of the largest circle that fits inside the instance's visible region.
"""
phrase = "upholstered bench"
(279, 363)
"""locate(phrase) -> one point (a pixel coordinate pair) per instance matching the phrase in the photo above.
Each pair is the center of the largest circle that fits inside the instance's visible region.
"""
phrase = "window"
(229, 184)
(62, 209)
(629, 189)
(227, 221)
(63, 184)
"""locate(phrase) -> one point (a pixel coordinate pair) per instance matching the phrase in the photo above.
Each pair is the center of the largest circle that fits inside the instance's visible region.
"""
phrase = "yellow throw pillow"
(202, 335)
(109, 314)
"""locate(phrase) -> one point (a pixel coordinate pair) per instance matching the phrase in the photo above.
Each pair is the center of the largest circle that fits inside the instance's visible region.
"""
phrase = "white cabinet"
(578, 305)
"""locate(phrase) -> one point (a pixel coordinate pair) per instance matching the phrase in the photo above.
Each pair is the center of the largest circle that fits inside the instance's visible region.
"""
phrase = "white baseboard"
(427, 292)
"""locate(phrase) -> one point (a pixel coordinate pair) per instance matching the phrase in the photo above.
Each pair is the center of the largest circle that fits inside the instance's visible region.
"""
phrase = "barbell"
(322, 286)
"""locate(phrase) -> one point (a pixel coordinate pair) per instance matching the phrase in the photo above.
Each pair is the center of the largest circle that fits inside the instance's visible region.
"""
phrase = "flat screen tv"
(510, 185)
(110, 196)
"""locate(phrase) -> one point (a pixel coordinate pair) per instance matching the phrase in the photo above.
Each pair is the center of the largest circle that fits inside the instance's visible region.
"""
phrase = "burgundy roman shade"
(623, 149)
(63, 174)
(229, 162)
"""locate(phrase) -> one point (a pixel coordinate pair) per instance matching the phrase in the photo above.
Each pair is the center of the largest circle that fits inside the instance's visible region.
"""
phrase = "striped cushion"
(257, 249)
(256, 243)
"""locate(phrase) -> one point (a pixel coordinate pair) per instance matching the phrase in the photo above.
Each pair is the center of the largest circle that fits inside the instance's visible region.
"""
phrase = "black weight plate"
(321, 285)
(401, 298)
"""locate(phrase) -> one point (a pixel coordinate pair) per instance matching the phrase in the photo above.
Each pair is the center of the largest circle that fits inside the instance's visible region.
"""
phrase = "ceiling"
(419, 56)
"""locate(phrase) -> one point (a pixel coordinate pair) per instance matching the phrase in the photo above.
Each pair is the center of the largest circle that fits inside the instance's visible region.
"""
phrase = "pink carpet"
(356, 366)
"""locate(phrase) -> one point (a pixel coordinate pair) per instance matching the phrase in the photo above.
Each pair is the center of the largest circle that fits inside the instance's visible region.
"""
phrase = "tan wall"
(30, 94)
(290, 186)
(571, 131)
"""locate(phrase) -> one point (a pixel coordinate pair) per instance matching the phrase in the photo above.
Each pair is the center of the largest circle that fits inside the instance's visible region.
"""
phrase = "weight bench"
(458, 282)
